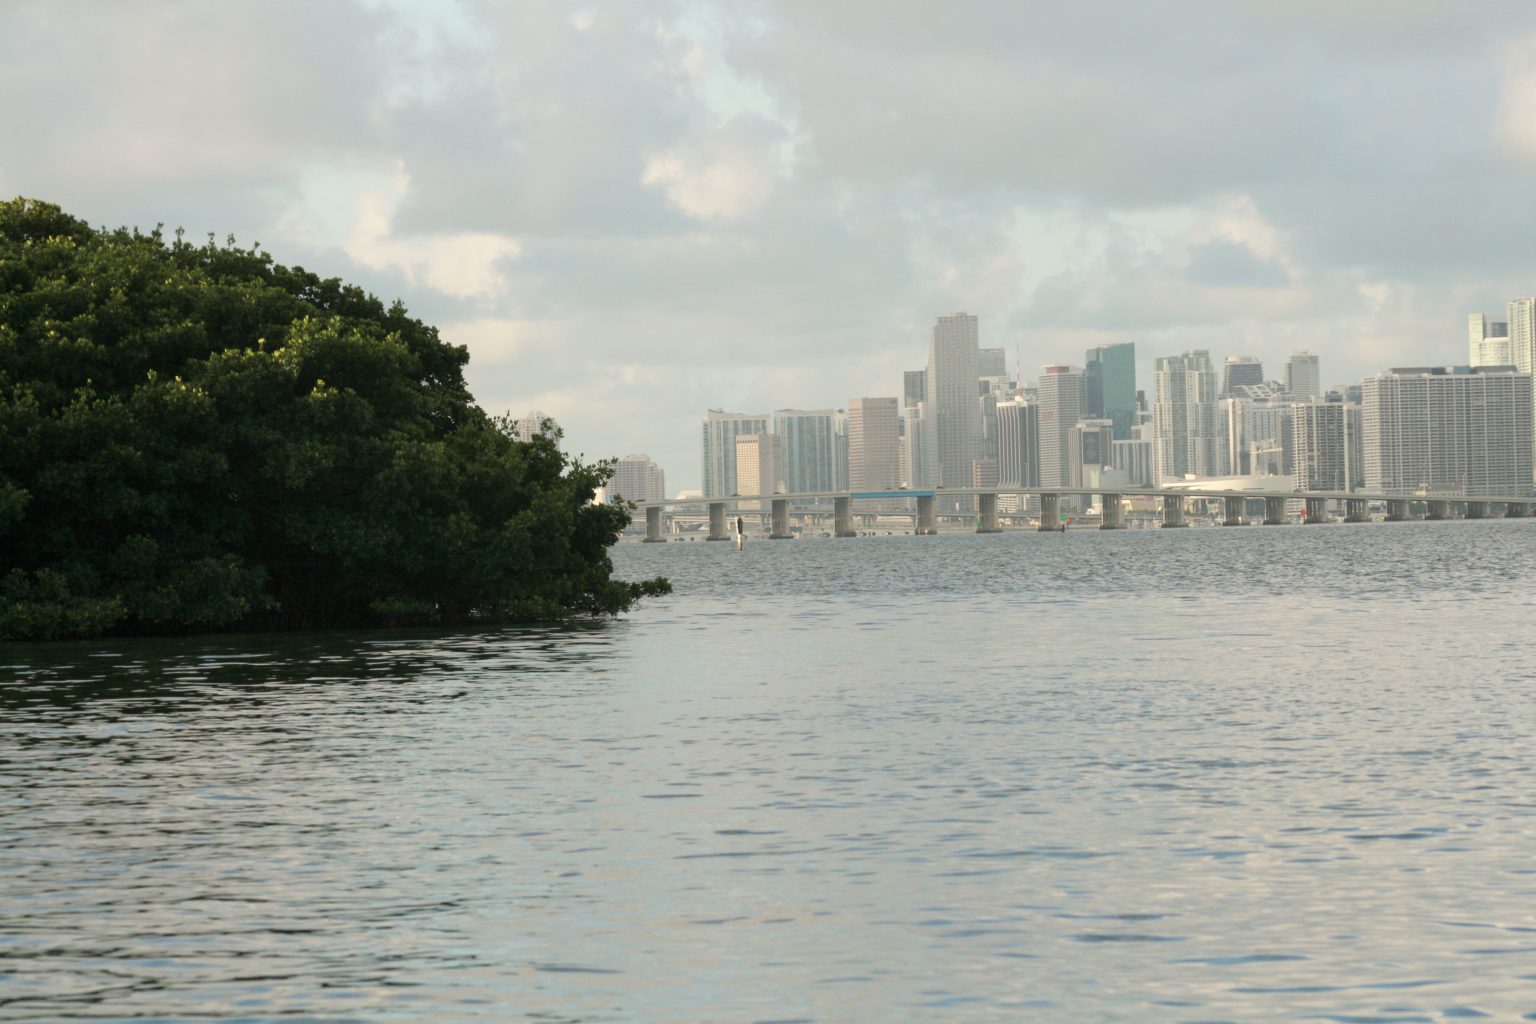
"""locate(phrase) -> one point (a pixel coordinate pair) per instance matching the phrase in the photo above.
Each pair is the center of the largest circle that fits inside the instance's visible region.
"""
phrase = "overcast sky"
(632, 212)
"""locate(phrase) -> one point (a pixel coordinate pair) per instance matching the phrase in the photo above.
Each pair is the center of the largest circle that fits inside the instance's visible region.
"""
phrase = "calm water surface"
(1201, 775)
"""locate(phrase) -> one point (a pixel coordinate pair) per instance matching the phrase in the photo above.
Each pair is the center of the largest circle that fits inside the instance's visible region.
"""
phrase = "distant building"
(809, 438)
(1061, 406)
(1018, 443)
(951, 415)
(914, 387)
(1448, 430)
(759, 464)
(637, 478)
(874, 447)
(536, 422)
(1488, 341)
(1303, 377)
(1090, 447)
(1187, 438)
(1109, 386)
(1134, 457)
(719, 432)
(1240, 371)
(991, 362)
(1327, 450)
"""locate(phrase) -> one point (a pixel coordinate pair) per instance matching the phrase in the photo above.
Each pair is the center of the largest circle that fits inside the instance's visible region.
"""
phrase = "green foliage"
(195, 438)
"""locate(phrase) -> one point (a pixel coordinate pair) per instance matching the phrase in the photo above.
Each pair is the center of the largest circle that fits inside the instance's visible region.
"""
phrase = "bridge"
(1399, 507)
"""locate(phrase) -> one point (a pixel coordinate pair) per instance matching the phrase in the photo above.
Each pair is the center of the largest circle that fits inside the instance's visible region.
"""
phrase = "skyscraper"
(1188, 430)
(1090, 447)
(719, 432)
(1239, 371)
(810, 448)
(1303, 379)
(951, 413)
(1488, 341)
(914, 387)
(1522, 334)
(992, 362)
(874, 457)
(1326, 447)
(1448, 430)
(1109, 386)
(759, 464)
(1061, 406)
(637, 478)
(1018, 444)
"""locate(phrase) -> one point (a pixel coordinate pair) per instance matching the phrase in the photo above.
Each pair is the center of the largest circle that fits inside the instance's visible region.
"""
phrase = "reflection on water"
(1192, 775)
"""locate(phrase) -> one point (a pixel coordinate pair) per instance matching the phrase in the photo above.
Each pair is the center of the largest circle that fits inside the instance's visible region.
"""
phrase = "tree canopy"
(193, 437)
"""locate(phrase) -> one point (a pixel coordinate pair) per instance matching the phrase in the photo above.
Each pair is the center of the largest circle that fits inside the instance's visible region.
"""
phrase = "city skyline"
(631, 214)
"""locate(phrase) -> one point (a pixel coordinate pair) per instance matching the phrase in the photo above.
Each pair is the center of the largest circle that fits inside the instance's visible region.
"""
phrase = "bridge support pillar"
(1317, 511)
(927, 521)
(1397, 510)
(1235, 507)
(717, 521)
(1173, 510)
(653, 525)
(1438, 510)
(780, 527)
(1357, 510)
(1112, 512)
(1516, 510)
(1050, 513)
(1274, 511)
(1477, 510)
(986, 514)
(842, 517)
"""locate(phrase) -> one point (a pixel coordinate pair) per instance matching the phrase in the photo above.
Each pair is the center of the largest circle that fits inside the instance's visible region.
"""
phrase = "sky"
(634, 212)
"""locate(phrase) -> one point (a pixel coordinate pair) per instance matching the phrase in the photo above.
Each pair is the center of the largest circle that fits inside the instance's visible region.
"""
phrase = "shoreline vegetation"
(196, 439)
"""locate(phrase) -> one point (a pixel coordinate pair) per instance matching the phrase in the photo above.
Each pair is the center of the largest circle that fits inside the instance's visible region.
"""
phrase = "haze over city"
(633, 214)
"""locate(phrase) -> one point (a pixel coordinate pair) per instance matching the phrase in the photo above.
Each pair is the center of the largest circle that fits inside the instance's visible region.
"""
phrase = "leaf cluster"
(193, 437)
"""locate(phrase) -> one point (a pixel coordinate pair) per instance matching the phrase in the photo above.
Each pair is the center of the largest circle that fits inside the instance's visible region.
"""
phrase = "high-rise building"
(951, 414)
(1240, 371)
(1018, 444)
(1061, 406)
(809, 438)
(991, 362)
(874, 454)
(1522, 334)
(1134, 457)
(637, 478)
(1327, 450)
(1090, 446)
(914, 387)
(1256, 431)
(1187, 438)
(759, 464)
(719, 432)
(915, 448)
(535, 423)
(1488, 341)
(840, 450)
(1303, 377)
(1451, 430)
(1109, 386)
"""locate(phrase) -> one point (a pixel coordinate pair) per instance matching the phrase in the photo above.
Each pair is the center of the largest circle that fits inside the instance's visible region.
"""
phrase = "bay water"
(1151, 775)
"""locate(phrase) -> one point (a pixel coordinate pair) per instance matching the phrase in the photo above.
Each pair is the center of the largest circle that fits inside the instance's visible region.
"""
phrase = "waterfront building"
(1134, 457)
(1256, 431)
(874, 444)
(1109, 386)
(991, 362)
(952, 418)
(1240, 371)
(1448, 430)
(1187, 425)
(1326, 447)
(719, 431)
(809, 439)
(637, 478)
(759, 465)
(915, 446)
(840, 450)
(1303, 377)
(1488, 341)
(1061, 406)
(1018, 443)
(1090, 447)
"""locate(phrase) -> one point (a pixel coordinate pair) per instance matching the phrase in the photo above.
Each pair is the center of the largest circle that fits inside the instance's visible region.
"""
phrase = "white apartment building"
(1326, 447)
(1487, 341)
(810, 440)
(1447, 430)
(637, 478)
(719, 431)
(1188, 429)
